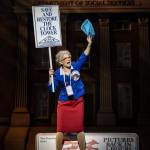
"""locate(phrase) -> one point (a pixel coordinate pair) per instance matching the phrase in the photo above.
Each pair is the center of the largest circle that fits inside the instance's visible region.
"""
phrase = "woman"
(70, 107)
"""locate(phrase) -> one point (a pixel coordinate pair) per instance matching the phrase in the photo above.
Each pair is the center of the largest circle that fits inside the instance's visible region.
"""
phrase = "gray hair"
(60, 54)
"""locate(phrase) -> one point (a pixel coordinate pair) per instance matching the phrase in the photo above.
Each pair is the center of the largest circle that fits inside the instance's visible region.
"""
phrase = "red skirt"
(70, 115)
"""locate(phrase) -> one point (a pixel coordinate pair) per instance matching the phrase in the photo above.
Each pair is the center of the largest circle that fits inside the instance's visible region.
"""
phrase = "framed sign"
(94, 141)
(46, 21)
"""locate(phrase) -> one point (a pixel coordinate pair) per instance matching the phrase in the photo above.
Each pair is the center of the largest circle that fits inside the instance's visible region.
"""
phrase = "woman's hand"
(89, 40)
(51, 72)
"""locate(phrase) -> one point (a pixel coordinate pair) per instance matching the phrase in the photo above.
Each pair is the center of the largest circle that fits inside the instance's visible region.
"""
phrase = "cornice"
(86, 6)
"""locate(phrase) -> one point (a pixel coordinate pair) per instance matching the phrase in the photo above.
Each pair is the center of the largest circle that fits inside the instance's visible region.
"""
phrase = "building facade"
(116, 74)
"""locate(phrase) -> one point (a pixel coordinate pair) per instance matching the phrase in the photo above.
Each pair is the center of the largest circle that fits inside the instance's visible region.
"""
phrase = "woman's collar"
(61, 70)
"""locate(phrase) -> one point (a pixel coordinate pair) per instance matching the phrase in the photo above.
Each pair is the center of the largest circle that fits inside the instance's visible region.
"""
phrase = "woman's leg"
(59, 140)
(81, 140)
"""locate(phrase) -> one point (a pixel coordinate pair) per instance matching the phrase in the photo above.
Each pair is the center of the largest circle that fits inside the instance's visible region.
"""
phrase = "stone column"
(105, 114)
(16, 136)
(20, 107)
(144, 72)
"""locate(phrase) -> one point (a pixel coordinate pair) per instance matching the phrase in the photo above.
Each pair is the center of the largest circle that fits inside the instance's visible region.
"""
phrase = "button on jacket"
(76, 83)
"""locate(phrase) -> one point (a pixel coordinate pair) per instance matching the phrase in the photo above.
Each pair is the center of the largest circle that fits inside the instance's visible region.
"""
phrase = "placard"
(47, 31)
(97, 141)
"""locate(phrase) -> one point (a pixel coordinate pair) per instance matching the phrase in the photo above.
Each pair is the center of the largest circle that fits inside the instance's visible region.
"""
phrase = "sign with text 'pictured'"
(94, 141)
(47, 31)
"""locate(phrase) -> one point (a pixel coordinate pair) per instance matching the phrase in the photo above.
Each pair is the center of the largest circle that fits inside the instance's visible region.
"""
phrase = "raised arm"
(88, 48)
(83, 58)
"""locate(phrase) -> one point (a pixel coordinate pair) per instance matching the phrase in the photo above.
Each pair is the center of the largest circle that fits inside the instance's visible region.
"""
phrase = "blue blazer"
(76, 82)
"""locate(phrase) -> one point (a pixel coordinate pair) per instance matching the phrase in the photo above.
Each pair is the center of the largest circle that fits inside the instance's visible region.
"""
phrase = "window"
(123, 50)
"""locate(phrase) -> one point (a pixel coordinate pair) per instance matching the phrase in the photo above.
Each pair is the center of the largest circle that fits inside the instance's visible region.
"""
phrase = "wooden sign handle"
(51, 67)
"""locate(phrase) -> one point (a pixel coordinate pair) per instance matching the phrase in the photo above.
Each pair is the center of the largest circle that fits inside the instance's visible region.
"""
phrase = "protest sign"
(47, 31)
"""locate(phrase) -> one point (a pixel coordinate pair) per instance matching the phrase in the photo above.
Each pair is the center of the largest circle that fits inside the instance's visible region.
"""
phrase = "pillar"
(15, 138)
(144, 72)
(105, 114)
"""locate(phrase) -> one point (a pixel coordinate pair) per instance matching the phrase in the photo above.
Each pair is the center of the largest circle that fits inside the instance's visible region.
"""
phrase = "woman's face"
(66, 60)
